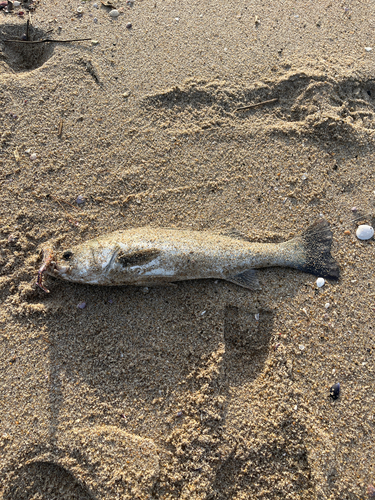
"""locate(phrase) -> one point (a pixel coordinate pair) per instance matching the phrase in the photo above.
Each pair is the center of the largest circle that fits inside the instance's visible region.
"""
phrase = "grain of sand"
(182, 393)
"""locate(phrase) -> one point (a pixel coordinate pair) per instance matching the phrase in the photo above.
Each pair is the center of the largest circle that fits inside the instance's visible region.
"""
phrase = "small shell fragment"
(334, 391)
(320, 282)
(371, 491)
(365, 232)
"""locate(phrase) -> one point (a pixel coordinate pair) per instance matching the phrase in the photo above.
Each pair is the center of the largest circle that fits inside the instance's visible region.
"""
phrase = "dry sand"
(181, 393)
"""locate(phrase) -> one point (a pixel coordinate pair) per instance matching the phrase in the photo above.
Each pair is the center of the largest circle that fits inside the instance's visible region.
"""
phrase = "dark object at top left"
(22, 56)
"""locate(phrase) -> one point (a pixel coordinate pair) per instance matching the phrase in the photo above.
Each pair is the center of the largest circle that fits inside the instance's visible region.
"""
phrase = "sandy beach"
(205, 390)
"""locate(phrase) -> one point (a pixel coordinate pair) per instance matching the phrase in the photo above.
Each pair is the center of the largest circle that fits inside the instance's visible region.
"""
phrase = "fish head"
(86, 263)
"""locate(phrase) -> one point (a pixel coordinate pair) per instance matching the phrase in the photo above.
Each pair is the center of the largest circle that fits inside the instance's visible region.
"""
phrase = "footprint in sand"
(86, 463)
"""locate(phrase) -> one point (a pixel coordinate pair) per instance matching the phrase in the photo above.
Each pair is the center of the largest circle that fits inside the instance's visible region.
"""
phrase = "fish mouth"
(49, 266)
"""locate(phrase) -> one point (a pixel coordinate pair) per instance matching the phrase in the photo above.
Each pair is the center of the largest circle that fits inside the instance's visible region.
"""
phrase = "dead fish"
(150, 256)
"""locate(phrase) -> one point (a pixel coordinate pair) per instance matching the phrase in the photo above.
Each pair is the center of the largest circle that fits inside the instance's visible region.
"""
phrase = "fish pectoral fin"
(246, 279)
(137, 258)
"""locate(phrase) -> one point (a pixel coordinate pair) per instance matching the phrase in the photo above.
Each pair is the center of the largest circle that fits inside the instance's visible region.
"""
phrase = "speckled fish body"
(150, 256)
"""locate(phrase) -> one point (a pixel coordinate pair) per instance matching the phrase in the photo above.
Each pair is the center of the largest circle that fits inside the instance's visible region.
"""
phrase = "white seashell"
(365, 232)
(320, 282)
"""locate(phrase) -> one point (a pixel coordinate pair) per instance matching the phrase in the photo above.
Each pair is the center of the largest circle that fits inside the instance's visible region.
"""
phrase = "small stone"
(96, 6)
(368, 49)
(365, 232)
(114, 13)
(320, 282)
(33, 156)
(179, 414)
(371, 491)
(95, 19)
(80, 200)
(354, 209)
(12, 238)
(128, 26)
(327, 305)
(16, 4)
(334, 391)
(81, 305)
(347, 232)
(126, 95)
(301, 347)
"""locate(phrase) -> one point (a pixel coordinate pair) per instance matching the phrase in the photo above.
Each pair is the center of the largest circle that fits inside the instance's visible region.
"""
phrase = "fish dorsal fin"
(246, 279)
(235, 234)
(137, 258)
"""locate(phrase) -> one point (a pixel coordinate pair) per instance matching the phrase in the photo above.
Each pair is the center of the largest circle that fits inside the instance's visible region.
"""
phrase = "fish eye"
(67, 255)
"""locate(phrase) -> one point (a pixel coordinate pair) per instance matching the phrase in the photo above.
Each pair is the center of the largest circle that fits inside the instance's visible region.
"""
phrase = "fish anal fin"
(246, 279)
(137, 258)
(235, 234)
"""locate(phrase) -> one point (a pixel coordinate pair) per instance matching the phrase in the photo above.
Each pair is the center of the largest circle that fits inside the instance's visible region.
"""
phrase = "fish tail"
(315, 246)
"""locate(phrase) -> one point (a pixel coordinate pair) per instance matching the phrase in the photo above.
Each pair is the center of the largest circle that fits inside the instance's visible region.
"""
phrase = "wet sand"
(184, 392)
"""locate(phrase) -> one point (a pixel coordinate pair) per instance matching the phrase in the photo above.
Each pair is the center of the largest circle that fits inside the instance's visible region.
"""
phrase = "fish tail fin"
(315, 243)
